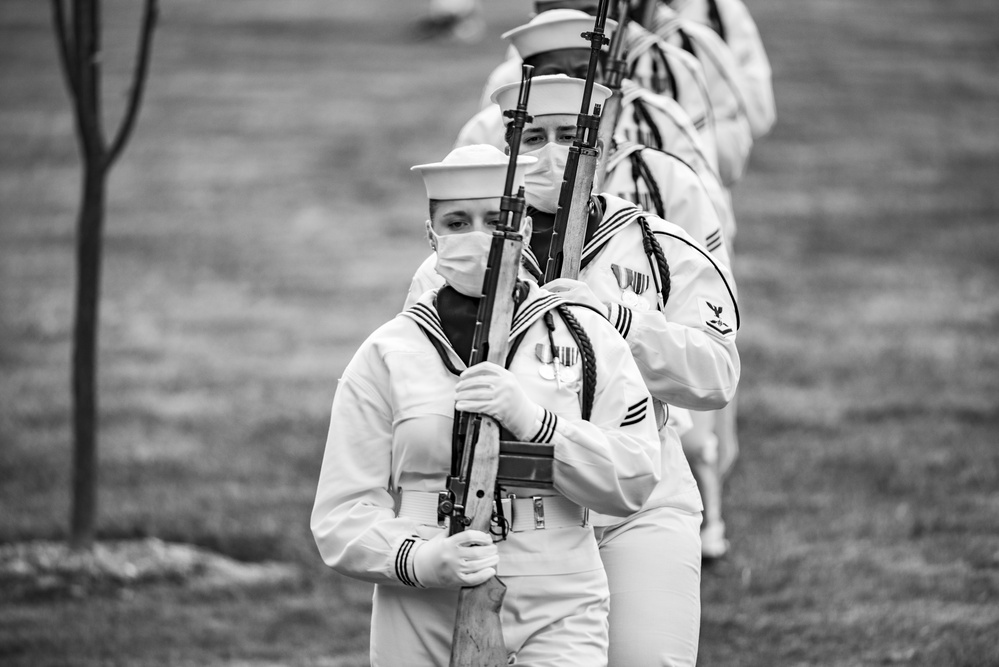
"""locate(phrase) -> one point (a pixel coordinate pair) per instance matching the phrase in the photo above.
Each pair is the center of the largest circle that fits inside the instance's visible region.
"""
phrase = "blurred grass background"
(263, 221)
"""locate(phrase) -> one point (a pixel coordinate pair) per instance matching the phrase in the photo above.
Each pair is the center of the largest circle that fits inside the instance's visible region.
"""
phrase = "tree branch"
(150, 14)
(62, 43)
(86, 45)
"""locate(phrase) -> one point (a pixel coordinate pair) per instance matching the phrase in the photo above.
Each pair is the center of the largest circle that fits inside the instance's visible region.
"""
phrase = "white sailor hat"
(554, 29)
(550, 94)
(471, 172)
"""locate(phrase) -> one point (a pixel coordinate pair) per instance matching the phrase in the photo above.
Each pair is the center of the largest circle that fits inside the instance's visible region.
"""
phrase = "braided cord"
(650, 182)
(588, 359)
(655, 252)
(642, 116)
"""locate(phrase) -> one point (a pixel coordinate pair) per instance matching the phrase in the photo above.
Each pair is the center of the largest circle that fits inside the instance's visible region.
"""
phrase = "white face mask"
(543, 179)
(462, 259)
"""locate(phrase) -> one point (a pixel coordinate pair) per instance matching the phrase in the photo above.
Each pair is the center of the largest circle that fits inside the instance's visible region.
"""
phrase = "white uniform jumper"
(687, 356)
(662, 183)
(666, 69)
(388, 454)
(734, 133)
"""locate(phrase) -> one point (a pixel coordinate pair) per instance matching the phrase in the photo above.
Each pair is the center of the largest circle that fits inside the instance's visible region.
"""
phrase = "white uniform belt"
(527, 513)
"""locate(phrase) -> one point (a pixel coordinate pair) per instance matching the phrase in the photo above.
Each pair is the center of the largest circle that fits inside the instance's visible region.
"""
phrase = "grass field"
(263, 221)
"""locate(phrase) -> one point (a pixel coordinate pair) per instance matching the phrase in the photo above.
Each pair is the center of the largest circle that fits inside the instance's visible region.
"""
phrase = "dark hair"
(432, 205)
(508, 134)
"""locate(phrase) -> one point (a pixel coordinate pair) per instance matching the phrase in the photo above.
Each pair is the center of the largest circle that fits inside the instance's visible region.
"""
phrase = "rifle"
(614, 68)
(478, 635)
(569, 231)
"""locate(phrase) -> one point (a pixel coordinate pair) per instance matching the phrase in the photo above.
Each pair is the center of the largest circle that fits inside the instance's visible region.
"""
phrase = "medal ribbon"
(627, 278)
(567, 356)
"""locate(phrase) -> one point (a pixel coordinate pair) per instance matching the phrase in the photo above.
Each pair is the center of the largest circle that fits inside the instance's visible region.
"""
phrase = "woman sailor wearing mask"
(570, 383)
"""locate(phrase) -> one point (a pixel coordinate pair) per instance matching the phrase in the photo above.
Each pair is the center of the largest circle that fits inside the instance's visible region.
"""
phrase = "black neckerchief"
(543, 224)
(458, 313)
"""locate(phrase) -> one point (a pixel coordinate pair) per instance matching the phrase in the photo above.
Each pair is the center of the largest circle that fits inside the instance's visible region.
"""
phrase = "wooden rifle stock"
(569, 233)
(478, 634)
(614, 70)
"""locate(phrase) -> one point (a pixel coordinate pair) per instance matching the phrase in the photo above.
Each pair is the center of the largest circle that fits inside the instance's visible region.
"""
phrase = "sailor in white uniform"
(571, 387)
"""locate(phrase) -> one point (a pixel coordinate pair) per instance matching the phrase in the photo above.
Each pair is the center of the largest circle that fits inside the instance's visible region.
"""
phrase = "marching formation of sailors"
(615, 399)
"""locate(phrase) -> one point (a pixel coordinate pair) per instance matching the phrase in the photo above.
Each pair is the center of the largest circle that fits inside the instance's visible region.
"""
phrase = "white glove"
(495, 391)
(467, 558)
(578, 292)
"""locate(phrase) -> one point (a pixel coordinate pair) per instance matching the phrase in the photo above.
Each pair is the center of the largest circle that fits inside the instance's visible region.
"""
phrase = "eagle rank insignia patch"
(715, 317)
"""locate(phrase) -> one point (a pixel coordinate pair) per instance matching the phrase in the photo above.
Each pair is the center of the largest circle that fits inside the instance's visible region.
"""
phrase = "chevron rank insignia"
(715, 317)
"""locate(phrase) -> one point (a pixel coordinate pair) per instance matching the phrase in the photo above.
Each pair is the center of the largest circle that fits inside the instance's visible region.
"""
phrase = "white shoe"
(713, 542)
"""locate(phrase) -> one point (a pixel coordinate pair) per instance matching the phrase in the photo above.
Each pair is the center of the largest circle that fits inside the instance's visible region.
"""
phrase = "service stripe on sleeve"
(547, 431)
(621, 319)
(402, 565)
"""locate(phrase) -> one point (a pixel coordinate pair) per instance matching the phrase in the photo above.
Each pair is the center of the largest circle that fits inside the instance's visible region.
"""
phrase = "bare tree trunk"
(88, 280)
(78, 43)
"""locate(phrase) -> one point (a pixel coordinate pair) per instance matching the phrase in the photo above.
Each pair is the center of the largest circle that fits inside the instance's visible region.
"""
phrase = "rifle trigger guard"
(500, 526)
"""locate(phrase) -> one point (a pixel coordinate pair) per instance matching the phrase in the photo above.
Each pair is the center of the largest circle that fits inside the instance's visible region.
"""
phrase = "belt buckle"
(539, 512)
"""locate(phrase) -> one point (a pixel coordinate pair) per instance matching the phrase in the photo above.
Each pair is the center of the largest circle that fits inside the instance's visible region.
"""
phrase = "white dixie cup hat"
(553, 30)
(550, 94)
(471, 172)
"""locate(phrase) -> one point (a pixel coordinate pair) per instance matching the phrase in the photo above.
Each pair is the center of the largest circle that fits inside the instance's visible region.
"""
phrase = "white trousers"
(548, 621)
(653, 565)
